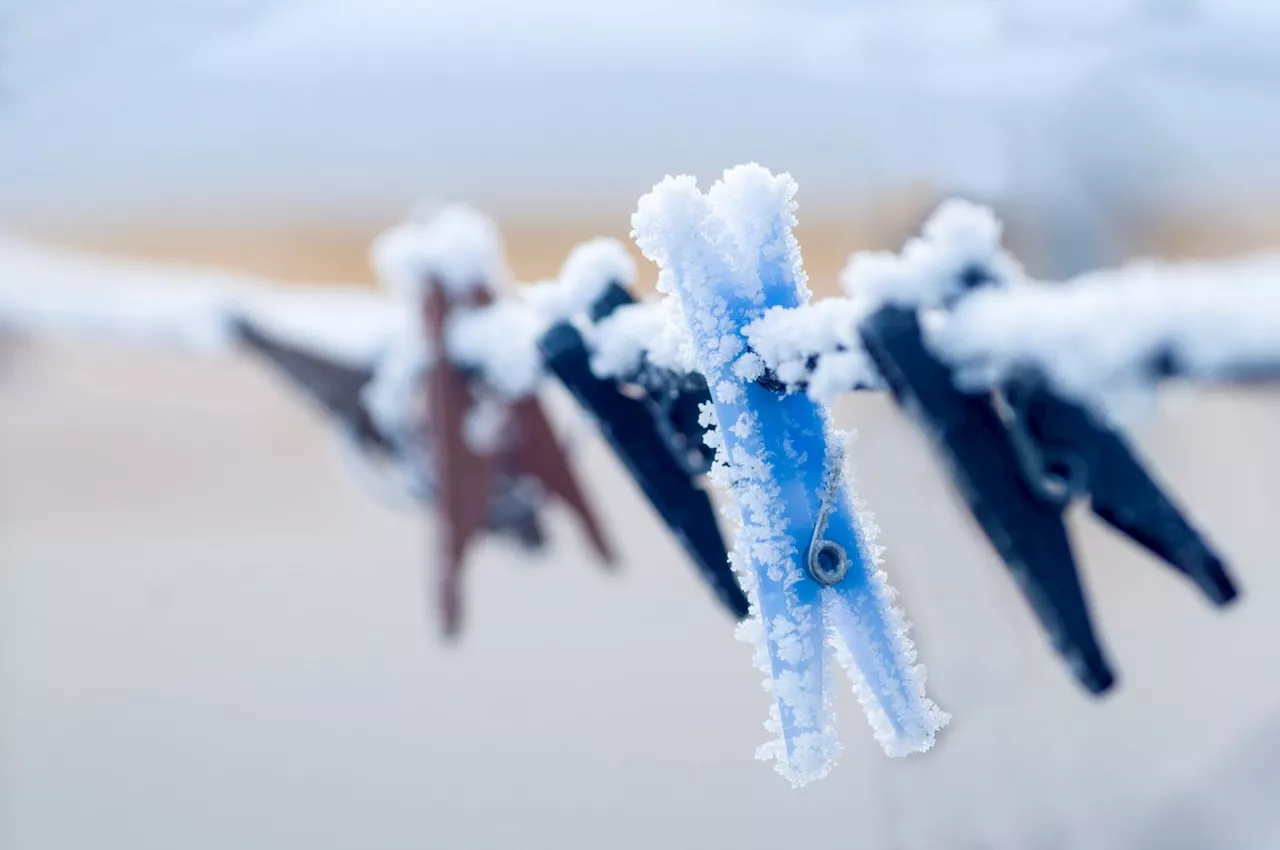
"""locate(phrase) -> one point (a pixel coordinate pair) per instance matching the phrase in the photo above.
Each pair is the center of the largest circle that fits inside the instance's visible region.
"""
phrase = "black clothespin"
(655, 432)
(1019, 454)
(674, 399)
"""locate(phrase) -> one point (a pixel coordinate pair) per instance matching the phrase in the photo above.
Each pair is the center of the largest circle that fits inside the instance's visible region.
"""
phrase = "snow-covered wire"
(173, 307)
(1098, 338)
(1117, 332)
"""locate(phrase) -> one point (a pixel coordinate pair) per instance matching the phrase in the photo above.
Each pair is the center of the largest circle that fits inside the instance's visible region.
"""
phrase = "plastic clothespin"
(805, 556)
(1020, 452)
(478, 435)
(640, 429)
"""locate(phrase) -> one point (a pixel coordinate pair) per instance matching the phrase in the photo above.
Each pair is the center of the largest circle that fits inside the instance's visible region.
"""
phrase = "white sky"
(350, 106)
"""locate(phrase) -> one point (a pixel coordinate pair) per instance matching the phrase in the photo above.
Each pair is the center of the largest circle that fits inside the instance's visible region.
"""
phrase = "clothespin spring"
(1057, 474)
(827, 561)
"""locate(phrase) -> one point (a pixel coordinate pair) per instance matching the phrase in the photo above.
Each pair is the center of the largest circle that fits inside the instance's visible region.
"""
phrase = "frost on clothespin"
(1018, 451)
(488, 432)
(804, 550)
(649, 420)
(813, 348)
(595, 279)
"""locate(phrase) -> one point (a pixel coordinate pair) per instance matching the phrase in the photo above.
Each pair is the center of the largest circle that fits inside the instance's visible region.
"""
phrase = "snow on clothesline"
(647, 332)
(1098, 338)
(83, 296)
(67, 294)
(78, 295)
(1115, 332)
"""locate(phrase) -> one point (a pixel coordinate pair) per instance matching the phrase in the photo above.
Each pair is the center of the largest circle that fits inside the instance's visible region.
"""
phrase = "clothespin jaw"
(804, 556)
(1080, 455)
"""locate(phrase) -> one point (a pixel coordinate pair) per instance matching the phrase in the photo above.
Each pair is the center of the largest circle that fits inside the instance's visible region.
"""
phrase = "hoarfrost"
(635, 334)
(591, 267)
(931, 269)
(457, 246)
(501, 342)
(1105, 337)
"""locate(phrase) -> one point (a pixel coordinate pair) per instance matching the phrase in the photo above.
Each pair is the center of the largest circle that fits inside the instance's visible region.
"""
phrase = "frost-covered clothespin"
(803, 550)
(486, 425)
(640, 428)
(1018, 450)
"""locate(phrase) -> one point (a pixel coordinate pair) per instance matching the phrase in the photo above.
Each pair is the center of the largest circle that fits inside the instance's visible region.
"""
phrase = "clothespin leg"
(695, 526)
(1122, 492)
(537, 452)
(450, 596)
(788, 630)
(1125, 496)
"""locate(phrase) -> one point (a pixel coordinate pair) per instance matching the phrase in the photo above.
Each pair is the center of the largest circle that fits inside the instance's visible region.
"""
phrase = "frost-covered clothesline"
(1103, 338)
(58, 292)
(62, 293)
(1099, 336)
(1119, 331)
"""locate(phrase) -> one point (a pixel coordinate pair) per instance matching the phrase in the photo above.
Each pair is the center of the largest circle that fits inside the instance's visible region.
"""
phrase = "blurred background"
(210, 637)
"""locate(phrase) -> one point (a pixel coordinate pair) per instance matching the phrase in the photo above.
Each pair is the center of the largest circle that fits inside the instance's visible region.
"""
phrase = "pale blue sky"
(341, 107)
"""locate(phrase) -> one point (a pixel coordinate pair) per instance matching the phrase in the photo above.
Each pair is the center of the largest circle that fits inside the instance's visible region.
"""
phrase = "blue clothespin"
(805, 557)
(1020, 452)
(646, 437)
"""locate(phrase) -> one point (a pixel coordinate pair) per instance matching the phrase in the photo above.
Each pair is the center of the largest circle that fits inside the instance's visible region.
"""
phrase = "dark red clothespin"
(520, 443)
